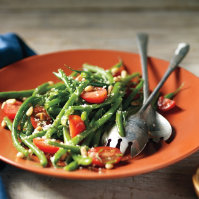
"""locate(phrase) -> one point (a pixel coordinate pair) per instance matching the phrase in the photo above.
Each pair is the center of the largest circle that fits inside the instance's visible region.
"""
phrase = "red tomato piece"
(105, 154)
(40, 117)
(10, 110)
(40, 143)
(165, 104)
(96, 96)
(76, 125)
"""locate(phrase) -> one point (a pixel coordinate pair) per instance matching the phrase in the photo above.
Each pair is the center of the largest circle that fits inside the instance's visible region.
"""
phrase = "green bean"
(61, 75)
(70, 102)
(41, 89)
(132, 95)
(61, 151)
(23, 122)
(117, 65)
(74, 74)
(16, 94)
(96, 139)
(66, 135)
(88, 139)
(84, 161)
(129, 78)
(56, 157)
(85, 117)
(71, 148)
(24, 107)
(29, 128)
(98, 123)
(8, 123)
(71, 166)
(119, 123)
(99, 84)
(53, 111)
(36, 134)
(52, 102)
(107, 74)
(40, 154)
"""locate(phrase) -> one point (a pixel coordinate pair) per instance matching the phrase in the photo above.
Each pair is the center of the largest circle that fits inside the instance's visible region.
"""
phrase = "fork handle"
(142, 42)
(179, 54)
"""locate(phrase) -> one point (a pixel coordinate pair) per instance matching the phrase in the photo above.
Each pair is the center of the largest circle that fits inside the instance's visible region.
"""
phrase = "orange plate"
(31, 72)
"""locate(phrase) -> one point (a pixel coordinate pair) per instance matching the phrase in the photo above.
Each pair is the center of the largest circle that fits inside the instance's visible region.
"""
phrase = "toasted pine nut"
(117, 79)
(89, 88)
(30, 151)
(29, 111)
(63, 120)
(50, 82)
(123, 74)
(114, 70)
(10, 101)
(83, 151)
(108, 166)
(79, 78)
(3, 104)
(41, 116)
(20, 155)
(39, 128)
(24, 98)
(110, 88)
(3, 124)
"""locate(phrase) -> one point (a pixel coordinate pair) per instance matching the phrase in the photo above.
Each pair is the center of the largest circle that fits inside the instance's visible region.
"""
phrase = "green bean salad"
(62, 123)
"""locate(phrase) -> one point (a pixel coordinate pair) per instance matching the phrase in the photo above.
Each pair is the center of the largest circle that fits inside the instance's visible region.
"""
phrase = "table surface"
(49, 26)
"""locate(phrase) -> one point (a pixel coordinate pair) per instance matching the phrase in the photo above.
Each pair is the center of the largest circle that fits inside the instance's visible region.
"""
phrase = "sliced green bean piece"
(71, 166)
(84, 161)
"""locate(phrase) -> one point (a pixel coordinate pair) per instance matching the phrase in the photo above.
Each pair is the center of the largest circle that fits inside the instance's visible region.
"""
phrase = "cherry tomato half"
(10, 110)
(96, 96)
(165, 104)
(40, 117)
(76, 125)
(40, 143)
(105, 154)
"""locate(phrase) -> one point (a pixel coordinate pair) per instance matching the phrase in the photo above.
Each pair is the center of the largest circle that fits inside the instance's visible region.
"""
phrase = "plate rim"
(99, 177)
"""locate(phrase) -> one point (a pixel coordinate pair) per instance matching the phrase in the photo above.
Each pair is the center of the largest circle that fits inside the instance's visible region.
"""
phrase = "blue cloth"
(3, 194)
(12, 49)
